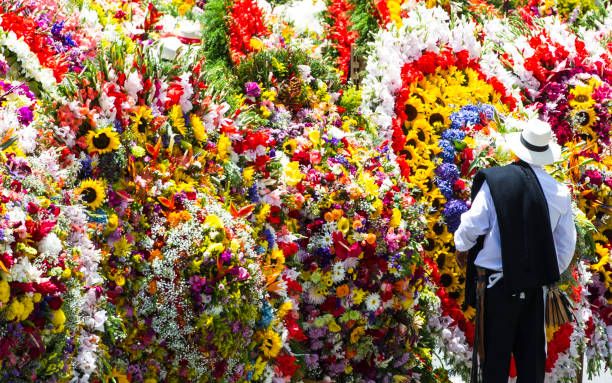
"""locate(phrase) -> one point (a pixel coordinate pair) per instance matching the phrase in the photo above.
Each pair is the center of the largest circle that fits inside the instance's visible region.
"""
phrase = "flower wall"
(197, 191)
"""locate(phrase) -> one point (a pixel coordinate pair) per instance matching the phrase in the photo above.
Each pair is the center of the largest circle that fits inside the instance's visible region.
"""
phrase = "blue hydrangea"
(452, 213)
(448, 151)
(470, 115)
(453, 135)
(253, 194)
(446, 188)
(448, 172)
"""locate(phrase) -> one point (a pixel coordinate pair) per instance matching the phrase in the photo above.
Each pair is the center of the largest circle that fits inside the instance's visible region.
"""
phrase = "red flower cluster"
(559, 343)
(341, 34)
(245, 21)
(38, 41)
(546, 57)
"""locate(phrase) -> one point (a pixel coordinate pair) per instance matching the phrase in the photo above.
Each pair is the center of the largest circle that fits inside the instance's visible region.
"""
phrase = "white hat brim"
(551, 155)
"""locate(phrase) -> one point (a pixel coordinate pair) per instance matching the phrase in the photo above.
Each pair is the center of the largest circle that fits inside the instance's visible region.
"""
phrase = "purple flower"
(4, 68)
(252, 89)
(25, 115)
(241, 273)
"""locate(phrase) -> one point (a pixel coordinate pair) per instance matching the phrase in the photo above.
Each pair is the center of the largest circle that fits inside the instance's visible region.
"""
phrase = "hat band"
(532, 147)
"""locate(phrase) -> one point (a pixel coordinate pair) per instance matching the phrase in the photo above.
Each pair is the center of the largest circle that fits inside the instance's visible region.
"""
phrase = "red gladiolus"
(245, 21)
(341, 35)
(286, 365)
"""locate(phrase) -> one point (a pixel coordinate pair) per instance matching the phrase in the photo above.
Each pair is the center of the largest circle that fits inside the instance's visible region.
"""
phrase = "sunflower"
(414, 108)
(271, 343)
(423, 131)
(92, 193)
(449, 280)
(581, 97)
(439, 117)
(140, 121)
(102, 141)
(583, 120)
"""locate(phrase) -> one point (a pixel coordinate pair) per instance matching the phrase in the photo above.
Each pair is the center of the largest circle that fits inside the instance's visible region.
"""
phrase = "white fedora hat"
(535, 144)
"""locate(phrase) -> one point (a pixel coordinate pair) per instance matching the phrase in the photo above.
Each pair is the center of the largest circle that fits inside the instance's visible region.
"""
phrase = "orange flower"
(342, 291)
(371, 238)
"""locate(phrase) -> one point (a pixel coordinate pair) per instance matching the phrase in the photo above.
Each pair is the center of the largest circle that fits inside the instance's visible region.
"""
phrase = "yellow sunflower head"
(583, 120)
(140, 122)
(413, 108)
(438, 118)
(581, 97)
(92, 193)
(102, 141)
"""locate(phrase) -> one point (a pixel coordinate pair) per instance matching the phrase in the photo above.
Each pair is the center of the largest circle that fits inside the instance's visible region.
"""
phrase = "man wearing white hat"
(521, 236)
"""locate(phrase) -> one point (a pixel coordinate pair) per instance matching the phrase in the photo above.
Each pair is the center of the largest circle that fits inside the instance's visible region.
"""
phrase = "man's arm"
(476, 221)
(564, 236)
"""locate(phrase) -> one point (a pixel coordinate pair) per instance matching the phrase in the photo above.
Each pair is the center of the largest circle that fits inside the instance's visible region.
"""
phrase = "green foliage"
(284, 65)
(215, 33)
(364, 22)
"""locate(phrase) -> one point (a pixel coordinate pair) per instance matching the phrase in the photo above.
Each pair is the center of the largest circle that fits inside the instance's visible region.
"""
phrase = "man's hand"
(462, 258)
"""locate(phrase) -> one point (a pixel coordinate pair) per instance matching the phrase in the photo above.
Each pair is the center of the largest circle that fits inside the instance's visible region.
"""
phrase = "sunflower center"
(421, 135)
(438, 228)
(411, 142)
(411, 112)
(89, 195)
(142, 126)
(101, 141)
(446, 280)
(581, 98)
(583, 118)
(428, 245)
(435, 117)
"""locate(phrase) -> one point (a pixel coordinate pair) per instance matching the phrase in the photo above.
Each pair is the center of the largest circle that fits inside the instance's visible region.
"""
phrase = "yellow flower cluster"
(432, 100)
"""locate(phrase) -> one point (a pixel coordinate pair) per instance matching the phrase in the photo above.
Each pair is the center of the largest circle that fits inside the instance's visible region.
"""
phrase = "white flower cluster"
(94, 317)
(30, 65)
(452, 340)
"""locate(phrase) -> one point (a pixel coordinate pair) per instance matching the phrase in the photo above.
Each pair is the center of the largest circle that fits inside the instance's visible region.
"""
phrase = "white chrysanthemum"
(315, 296)
(338, 272)
(372, 301)
(24, 271)
(50, 246)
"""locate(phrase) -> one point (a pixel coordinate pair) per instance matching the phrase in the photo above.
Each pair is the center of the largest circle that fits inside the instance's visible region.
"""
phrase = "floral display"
(197, 191)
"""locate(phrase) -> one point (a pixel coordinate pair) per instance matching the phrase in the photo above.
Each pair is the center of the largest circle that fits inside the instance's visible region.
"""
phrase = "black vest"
(529, 258)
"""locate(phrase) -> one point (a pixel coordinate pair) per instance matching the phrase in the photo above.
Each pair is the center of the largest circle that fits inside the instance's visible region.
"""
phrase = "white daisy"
(372, 302)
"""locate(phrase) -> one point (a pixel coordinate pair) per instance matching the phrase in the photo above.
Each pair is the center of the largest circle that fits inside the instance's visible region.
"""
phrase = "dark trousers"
(514, 325)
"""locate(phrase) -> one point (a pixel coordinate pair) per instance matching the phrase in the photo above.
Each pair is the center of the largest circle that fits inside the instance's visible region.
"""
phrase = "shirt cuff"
(461, 244)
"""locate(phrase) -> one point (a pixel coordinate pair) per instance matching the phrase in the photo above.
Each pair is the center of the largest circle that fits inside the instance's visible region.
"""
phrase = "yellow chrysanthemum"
(102, 141)
(5, 291)
(92, 193)
(293, 176)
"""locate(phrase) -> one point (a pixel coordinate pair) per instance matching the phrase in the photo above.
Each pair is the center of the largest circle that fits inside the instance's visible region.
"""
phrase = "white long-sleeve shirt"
(481, 219)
